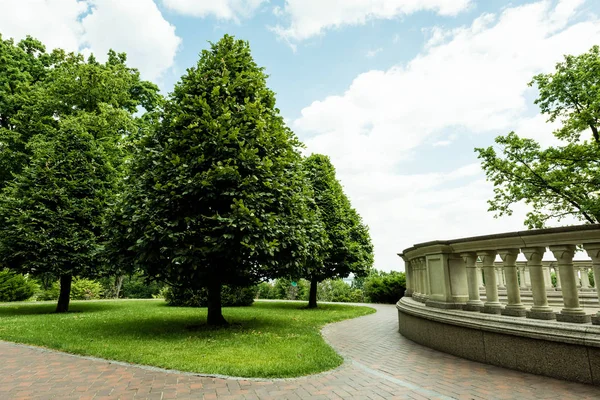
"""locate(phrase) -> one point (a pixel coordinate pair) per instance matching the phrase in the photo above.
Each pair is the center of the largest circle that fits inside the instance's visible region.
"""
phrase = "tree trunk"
(215, 315)
(312, 296)
(118, 285)
(65, 293)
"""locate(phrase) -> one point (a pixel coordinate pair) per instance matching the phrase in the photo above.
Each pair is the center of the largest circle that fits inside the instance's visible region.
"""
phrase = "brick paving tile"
(380, 364)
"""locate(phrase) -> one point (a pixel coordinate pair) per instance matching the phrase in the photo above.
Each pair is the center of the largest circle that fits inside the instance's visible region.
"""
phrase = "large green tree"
(217, 193)
(67, 95)
(557, 181)
(349, 248)
(52, 211)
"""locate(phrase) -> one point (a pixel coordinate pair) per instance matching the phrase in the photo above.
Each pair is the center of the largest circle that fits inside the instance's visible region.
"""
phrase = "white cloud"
(474, 78)
(309, 18)
(222, 9)
(135, 27)
(373, 53)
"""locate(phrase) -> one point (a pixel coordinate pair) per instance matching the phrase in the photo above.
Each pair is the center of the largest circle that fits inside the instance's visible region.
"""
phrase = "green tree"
(557, 181)
(217, 194)
(68, 100)
(349, 248)
(52, 211)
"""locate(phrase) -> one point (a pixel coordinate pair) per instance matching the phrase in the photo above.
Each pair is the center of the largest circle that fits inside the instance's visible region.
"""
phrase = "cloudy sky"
(396, 92)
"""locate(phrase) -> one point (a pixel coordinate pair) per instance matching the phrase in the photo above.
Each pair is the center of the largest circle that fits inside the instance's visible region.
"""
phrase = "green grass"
(269, 339)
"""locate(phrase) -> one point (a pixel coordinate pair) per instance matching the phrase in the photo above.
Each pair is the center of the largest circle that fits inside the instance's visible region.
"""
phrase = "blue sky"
(396, 92)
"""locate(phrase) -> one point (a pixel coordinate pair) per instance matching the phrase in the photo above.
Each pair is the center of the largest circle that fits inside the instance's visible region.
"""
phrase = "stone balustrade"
(450, 274)
(492, 299)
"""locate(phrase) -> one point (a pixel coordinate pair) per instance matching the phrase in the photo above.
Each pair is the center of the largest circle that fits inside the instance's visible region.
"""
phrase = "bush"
(136, 287)
(591, 276)
(81, 289)
(284, 290)
(265, 291)
(382, 287)
(230, 297)
(15, 287)
(339, 291)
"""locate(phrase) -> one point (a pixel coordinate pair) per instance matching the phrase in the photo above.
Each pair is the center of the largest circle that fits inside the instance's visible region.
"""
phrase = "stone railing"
(448, 274)
(460, 299)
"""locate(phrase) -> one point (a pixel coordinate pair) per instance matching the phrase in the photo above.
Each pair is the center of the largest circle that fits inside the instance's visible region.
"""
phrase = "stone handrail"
(447, 274)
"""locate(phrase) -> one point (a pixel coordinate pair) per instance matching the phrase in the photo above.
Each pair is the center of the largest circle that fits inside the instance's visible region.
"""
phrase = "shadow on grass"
(10, 310)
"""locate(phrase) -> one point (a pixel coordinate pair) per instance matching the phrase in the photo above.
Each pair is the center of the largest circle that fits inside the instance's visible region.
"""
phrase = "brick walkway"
(380, 364)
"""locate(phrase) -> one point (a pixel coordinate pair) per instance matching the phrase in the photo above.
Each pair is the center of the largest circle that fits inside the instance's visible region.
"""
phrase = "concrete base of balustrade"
(473, 307)
(514, 312)
(443, 305)
(596, 319)
(492, 309)
(543, 315)
(565, 351)
(574, 318)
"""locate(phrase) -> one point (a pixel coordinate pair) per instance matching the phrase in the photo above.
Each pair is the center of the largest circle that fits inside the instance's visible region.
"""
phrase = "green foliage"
(217, 194)
(81, 289)
(338, 291)
(15, 287)
(230, 296)
(64, 122)
(559, 181)
(265, 291)
(385, 287)
(137, 287)
(284, 290)
(591, 277)
(347, 247)
(51, 213)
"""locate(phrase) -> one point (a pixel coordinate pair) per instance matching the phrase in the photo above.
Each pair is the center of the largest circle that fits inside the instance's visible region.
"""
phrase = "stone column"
(547, 279)
(593, 250)
(499, 277)
(522, 284)
(409, 278)
(426, 284)
(540, 308)
(585, 280)
(558, 285)
(492, 305)
(527, 278)
(572, 312)
(514, 307)
(480, 278)
(416, 280)
(474, 303)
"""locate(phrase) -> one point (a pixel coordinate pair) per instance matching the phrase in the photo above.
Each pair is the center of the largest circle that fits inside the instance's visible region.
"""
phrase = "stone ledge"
(579, 334)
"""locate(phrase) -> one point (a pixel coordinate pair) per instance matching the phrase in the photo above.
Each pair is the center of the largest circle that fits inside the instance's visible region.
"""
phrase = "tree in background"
(558, 181)
(62, 139)
(52, 212)
(217, 193)
(349, 249)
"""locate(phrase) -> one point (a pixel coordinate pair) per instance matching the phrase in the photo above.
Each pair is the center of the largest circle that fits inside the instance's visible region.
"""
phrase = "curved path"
(380, 364)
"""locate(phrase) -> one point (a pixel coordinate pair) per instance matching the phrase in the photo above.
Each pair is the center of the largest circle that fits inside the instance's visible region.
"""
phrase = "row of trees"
(102, 175)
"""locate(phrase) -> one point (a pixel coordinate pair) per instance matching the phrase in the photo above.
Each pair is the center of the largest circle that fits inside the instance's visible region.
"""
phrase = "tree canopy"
(348, 244)
(556, 181)
(217, 193)
(62, 135)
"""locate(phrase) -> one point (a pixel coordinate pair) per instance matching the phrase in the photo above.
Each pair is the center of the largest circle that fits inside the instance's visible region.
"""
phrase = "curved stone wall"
(462, 301)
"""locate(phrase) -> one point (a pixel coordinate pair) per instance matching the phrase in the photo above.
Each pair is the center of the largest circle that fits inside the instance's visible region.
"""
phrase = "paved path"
(380, 364)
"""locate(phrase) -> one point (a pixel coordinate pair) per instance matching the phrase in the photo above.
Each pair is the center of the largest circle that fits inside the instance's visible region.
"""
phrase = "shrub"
(136, 287)
(81, 289)
(15, 287)
(284, 290)
(382, 287)
(339, 291)
(591, 276)
(230, 296)
(265, 291)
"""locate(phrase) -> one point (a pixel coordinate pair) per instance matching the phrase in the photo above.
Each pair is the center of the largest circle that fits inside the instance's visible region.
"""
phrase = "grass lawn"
(269, 339)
